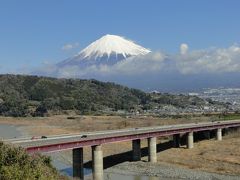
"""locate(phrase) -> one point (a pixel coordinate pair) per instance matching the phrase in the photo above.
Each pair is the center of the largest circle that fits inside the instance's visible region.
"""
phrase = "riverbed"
(123, 171)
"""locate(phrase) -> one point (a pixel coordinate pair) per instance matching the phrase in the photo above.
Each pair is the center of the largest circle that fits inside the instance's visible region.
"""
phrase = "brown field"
(208, 155)
(64, 124)
(221, 157)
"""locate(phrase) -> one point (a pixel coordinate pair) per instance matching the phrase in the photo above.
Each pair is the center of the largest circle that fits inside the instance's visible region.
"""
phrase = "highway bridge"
(76, 142)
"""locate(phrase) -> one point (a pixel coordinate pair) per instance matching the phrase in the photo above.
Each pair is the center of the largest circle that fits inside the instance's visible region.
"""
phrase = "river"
(9, 131)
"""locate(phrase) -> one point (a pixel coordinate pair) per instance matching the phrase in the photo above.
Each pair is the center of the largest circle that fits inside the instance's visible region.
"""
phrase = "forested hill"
(22, 95)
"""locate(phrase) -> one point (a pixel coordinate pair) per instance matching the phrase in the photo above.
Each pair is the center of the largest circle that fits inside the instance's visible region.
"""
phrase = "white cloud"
(183, 48)
(67, 47)
(198, 68)
(158, 69)
(210, 61)
(133, 66)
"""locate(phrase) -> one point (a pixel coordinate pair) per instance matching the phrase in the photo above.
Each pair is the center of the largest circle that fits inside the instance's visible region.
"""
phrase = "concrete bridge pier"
(97, 161)
(77, 159)
(219, 134)
(136, 149)
(152, 149)
(190, 140)
(176, 140)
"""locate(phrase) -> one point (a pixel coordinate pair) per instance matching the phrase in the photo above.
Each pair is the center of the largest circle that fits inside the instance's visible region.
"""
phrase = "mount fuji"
(116, 59)
(108, 50)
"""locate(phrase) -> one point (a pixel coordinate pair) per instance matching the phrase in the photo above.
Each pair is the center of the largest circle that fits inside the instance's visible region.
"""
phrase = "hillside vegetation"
(35, 96)
(16, 164)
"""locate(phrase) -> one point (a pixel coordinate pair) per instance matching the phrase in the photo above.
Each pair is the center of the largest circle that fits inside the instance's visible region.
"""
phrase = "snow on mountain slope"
(109, 49)
(113, 44)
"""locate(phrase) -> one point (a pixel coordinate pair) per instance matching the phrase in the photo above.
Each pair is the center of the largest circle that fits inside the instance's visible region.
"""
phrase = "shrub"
(16, 164)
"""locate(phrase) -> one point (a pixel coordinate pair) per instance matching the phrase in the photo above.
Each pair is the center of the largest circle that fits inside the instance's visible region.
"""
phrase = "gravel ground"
(165, 171)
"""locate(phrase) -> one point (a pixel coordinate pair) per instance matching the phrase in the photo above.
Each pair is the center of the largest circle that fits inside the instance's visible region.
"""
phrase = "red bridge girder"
(120, 138)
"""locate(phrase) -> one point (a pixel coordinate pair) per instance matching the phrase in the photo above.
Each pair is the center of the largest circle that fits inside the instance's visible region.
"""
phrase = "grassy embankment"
(231, 117)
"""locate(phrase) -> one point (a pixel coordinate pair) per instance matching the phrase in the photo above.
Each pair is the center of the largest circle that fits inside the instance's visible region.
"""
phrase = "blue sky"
(34, 32)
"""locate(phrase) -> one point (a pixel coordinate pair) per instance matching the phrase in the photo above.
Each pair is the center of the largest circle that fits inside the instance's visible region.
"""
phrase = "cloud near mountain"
(69, 46)
(209, 61)
(154, 70)
(192, 62)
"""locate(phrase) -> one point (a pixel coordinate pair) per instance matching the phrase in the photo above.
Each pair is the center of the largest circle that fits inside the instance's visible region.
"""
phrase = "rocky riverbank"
(165, 171)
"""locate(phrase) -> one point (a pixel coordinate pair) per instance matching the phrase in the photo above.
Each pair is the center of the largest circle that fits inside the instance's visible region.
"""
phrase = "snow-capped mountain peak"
(109, 50)
(109, 44)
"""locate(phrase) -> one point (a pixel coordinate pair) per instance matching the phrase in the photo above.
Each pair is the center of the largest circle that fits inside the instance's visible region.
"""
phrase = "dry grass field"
(64, 124)
(221, 157)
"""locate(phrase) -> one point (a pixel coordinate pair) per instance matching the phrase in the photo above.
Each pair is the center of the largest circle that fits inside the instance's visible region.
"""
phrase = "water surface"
(9, 131)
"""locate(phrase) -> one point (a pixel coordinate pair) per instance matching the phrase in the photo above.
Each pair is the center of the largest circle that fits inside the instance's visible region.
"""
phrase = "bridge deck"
(71, 141)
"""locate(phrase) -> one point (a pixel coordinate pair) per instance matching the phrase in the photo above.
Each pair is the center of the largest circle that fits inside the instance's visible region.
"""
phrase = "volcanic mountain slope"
(107, 50)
